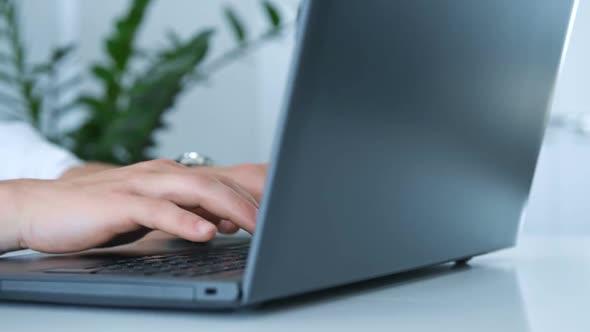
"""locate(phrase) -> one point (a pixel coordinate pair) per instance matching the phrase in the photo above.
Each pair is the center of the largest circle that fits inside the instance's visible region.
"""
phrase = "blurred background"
(232, 114)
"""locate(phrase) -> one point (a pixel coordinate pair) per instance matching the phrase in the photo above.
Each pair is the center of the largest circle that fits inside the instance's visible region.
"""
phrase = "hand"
(85, 212)
(250, 176)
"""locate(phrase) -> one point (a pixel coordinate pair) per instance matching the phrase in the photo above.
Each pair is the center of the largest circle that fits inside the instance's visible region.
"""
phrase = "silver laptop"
(409, 138)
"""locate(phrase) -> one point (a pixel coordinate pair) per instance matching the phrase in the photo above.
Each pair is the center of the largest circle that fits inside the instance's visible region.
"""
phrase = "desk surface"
(542, 285)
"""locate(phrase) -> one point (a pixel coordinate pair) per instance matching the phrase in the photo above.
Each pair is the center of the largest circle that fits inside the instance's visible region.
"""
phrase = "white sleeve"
(24, 153)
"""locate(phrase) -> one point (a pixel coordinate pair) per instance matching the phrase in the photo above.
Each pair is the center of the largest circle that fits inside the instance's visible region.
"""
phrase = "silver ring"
(194, 159)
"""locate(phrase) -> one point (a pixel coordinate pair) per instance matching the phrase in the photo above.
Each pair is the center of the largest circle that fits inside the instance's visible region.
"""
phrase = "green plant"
(122, 118)
(30, 90)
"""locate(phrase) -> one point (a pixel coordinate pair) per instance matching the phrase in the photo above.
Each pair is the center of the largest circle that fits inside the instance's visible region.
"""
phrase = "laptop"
(409, 138)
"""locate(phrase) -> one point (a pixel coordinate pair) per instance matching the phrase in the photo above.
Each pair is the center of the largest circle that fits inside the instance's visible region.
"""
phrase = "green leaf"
(91, 102)
(143, 54)
(272, 13)
(120, 49)
(68, 83)
(61, 53)
(29, 93)
(236, 24)
(103, 73)
(173, 38)
(194, 49)
(67, 107)
(5, 58)
(58, 55)
(8, 78)
(153, 93)
(42, 68)
(120, 44)
(11, 116)
(116, 53)
(9, 100)
(28, 87)
(4, 31)
(8, 10)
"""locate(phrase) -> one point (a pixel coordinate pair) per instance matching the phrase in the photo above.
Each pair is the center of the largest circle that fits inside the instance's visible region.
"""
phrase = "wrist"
(10, 232)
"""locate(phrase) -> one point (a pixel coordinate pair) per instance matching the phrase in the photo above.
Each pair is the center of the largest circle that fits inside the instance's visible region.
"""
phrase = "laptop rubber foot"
(462, 262)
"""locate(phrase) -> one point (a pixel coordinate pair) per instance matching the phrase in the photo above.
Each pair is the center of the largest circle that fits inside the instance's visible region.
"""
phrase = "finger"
(251, 177)
(240, 191)
(223, 226)
(258, 181)
(192, 190)
(165, 216)
(205, 214)
(261, 184)
(227, 227)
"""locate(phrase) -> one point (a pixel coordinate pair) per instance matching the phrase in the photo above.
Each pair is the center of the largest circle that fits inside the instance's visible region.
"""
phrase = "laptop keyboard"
(181, 264)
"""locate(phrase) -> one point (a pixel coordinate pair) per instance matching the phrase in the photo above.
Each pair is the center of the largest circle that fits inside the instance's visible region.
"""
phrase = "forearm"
(9, 227)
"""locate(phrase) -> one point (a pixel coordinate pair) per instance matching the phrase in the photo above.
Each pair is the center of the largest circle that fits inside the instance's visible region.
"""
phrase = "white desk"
(543, 285)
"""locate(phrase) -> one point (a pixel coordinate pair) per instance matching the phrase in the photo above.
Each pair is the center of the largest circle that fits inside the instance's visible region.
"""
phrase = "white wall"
(572, 92)
(233, 117)
(560, 201)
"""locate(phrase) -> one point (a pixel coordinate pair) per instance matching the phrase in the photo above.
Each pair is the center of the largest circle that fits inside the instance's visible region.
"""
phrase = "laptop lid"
(409, 138)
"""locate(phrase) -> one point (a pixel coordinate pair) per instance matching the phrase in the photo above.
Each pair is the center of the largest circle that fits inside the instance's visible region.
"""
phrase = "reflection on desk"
(543, 285)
